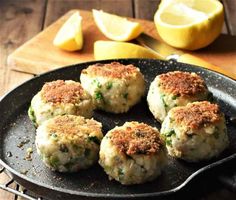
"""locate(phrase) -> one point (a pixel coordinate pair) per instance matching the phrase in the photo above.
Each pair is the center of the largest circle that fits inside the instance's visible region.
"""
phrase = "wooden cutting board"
(39, 55)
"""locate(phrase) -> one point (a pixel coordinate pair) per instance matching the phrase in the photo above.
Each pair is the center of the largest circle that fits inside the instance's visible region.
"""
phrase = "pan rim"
(105, 195)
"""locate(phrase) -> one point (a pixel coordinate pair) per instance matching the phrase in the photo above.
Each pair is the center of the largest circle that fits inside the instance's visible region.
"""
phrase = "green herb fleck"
(98, 95)
(54, 161)
(107, 168)
(163, 100)
(126, 95)
(99, 85)
(109, 85)
(32, 116)
(172, 120)
(94, 139)
(168, 141)
(174, 97)
(95, 81)
(170, 133)
(120, 172)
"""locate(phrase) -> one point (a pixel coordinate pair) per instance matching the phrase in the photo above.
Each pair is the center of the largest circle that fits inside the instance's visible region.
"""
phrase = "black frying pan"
(18, 133)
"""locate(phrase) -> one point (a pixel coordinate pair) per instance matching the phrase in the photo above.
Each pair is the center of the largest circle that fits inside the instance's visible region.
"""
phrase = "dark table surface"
(20, 20)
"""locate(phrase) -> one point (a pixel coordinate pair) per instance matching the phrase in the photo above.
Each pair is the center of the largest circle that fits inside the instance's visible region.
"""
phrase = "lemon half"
(189, 24)
(115, 27)
(112, 49)
(70, 36)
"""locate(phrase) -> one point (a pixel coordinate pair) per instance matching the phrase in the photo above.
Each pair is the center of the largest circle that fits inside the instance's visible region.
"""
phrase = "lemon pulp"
(115, 27)
(70, 36)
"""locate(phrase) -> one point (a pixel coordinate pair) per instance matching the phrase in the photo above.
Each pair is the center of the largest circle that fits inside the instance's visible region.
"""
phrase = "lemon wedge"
(189, 24)
(112, 49)
(115, 27)
(70, 36)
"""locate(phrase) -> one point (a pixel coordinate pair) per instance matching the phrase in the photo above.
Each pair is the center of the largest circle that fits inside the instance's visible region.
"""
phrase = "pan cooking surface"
(18, 134)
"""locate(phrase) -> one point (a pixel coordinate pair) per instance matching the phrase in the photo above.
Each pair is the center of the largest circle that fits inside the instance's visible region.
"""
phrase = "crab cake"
(133, 153)
(114, 87)
(175, 89)
(195, 132)
(60, 98)
(69, 143)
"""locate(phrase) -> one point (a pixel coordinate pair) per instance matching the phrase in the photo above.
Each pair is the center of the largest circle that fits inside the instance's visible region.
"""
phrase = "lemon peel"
(191, 24)
(112, 49)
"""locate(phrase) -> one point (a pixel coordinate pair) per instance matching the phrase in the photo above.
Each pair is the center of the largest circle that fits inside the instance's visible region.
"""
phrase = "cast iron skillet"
(18, 133)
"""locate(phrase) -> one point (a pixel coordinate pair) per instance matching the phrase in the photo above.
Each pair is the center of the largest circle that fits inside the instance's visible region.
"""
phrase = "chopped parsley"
(172, 120)
(99, 85)
(168, 141)
(163, 100)
(95, 81)
(32, 116)
(120, 172)
(54, 161)
(98, 95)
(109, 85)
(174, 97)
(126, 95)
(170, 133)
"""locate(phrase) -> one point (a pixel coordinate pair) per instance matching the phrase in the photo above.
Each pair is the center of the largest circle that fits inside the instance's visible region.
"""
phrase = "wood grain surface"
(39, 54)
(29, 57)
(230, 15)
(21, 20)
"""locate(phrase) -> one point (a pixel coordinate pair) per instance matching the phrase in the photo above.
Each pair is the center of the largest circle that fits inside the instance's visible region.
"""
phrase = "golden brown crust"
(61, 92)
(181, 83)
(70, 125)
(197, 115)
(111, 70)
(136, 138)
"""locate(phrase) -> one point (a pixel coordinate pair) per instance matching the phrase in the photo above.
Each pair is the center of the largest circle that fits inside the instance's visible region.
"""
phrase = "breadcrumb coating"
(181, 83)
(61, 92)
(197, 115)
(136, 138)
(112, 70)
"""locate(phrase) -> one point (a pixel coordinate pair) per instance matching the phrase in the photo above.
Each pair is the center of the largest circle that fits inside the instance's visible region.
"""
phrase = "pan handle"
(228, 180)
(6, 187)
(190, 59)
(228, 176)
